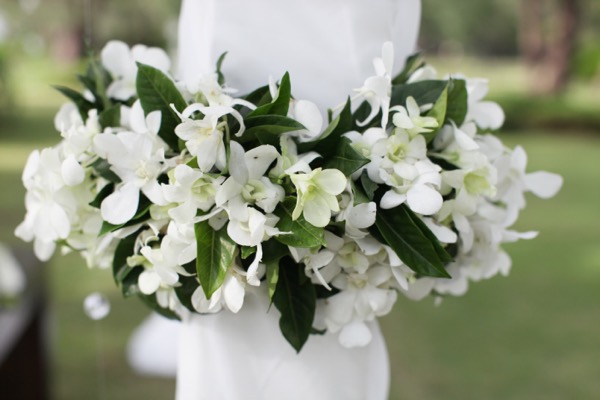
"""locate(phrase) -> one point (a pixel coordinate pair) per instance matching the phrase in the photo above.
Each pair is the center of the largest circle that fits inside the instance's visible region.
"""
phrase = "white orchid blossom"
(377, 89)
(409, 118)
(317, 192)
(486, 114)
(230, 295)
(204, 138)
(192, 190)
(362, 298)
(120, 61)
(138, 159)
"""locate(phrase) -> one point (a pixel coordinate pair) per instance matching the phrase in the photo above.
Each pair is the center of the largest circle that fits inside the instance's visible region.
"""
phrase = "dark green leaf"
(302, 234)
(413, 63)
(184, 292)
(220, 76)
(457, 101)
(424, 92)
(413, 244)
(104, 193)
(443, 255)
(150, 301)
(268, 128)
(157, 92)
(273, 251)
(141, 215)
(295, 299)
(125, 249)
(247, 251)
(280, 104)
(83, 106)
(438, 111)
(272, 278)
(110, 117)
(328, 142)
(216, 252)
(346, 158)
(260, 96)
(102, 168)
(129, 284)
(368, 185)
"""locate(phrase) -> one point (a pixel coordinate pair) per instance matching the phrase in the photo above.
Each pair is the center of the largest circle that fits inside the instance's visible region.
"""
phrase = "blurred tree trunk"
(547, 39)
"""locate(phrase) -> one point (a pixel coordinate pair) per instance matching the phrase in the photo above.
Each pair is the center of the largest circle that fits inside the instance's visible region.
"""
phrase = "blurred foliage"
(488, 27)
(40, 26)
(6, 94)
(484, 27)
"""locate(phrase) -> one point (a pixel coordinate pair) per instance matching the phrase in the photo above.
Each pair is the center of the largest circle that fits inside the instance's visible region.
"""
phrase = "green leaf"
(280, 104)
(272, 278)
(328, 142)
(141, 215)
(157, 92)
(216, 252)
(368, 185)
(273, 252)
(438, 111)
(247, 251)
(125, 249)
(346, 158)
(184, 292)
(129, 284)
(268, 128)
(302, 234)
(110, 117)
(457, 101)
(102, 168)
(104, 193)
(220, 76)
(260, 96)
(424, 92)
(413, 63)
(412, 242)
(150, 301)
(295, 298)
(83, 106)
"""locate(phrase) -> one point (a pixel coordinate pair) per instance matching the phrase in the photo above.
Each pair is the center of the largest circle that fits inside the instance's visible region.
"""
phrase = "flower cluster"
(193, 196)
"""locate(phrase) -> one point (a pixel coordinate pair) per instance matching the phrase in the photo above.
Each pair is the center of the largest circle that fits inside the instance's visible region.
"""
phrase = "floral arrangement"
(192, 195)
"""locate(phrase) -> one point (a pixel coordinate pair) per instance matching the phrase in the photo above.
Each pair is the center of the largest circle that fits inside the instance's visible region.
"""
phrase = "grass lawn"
(533, 335)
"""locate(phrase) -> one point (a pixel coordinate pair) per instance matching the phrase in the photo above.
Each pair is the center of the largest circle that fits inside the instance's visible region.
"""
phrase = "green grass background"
(533, 335)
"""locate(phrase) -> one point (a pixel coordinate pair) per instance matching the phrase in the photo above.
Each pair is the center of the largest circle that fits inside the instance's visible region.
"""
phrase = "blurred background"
(530, 336)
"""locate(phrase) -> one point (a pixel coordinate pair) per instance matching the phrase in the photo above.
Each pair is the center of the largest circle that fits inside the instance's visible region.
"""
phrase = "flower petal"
(120, 206)
(424, 200)
(543, 184)
(355, 334)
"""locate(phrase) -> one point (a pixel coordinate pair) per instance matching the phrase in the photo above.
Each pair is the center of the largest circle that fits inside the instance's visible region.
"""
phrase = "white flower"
(317, 191)
(52, 199)
(138, 159)
(204, 137)
(362, 298)
(358, 217)
(486, 114)
(192, 190)
(309, 115)
(471, 184)
(410, 120)
(120, 61)
(230, 295)
(247, 178)
(377, 89)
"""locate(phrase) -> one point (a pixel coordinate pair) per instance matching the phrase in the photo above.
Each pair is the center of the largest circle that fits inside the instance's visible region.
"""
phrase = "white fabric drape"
(327, 46)
(244, 356)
